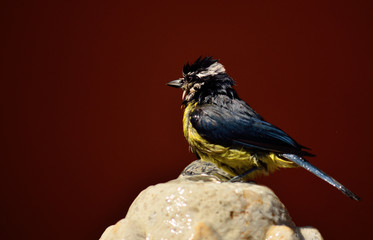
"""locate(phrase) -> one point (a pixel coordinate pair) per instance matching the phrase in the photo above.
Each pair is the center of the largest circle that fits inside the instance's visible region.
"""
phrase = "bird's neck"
(214, 93)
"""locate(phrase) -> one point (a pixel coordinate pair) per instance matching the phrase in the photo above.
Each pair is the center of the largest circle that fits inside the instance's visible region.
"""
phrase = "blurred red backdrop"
(87, 121)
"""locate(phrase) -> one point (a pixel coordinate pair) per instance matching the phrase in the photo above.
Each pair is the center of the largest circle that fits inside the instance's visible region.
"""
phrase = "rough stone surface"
(201, 207)
(201, 169)
(277, 232)
(310, 233)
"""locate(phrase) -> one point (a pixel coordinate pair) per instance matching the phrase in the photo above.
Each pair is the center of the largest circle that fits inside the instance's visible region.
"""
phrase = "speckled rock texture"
(201, 207)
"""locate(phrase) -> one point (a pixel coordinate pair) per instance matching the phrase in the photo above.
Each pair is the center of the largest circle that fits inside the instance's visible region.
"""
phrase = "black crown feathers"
(199, 64)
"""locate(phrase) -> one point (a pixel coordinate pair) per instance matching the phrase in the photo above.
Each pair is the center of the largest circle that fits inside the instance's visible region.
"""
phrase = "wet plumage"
(223, 129)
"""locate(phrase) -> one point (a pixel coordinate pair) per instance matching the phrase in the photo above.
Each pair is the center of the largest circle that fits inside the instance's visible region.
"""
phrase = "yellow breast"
(232, 160)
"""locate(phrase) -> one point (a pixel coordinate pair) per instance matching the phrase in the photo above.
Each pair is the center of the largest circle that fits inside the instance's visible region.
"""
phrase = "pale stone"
(281, 233)
(310, 233)
(201, 207)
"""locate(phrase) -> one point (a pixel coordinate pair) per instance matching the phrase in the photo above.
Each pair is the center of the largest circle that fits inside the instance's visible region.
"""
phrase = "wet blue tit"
(223, 129)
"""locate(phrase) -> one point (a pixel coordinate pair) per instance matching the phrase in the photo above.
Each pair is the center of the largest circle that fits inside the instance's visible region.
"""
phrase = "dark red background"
(88, 122)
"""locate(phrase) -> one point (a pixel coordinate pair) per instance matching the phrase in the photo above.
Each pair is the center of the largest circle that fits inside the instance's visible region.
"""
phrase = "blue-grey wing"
(241, 127)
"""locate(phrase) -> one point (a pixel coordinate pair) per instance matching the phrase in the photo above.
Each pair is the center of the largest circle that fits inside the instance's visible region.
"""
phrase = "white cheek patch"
(198, 85)
(188, 94)
(214, 69)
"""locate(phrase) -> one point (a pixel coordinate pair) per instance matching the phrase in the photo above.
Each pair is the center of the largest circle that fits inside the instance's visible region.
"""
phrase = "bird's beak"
(178, 83)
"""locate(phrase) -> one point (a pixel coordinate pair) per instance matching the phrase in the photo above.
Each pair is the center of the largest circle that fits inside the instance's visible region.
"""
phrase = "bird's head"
(204, 78)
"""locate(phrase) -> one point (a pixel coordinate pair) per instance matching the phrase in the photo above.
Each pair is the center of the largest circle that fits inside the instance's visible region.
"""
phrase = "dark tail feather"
(308, 166)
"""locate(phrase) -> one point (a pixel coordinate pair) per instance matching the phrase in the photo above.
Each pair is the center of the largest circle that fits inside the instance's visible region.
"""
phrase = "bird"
(223, 129)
